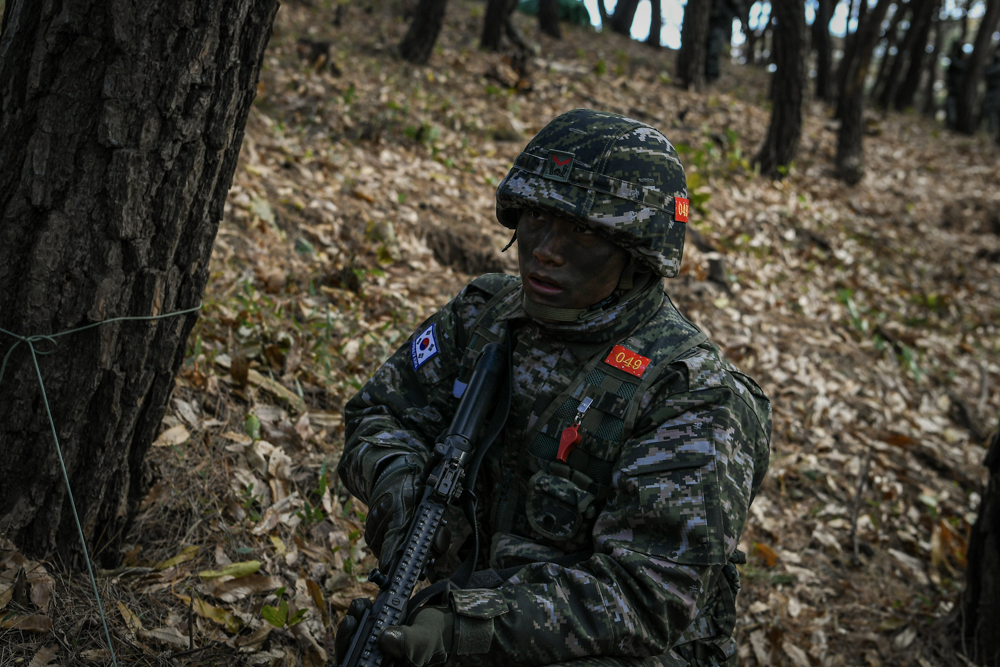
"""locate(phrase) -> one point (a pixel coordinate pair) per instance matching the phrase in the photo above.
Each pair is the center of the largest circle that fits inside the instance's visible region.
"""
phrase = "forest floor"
(364, 200)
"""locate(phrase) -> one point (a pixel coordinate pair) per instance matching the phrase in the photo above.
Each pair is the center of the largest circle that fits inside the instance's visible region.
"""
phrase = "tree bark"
(655, 24)
(548, 18)
(690, 66)
(497, 13)
(966, 117)
(930, 97)
(418, 42)
(978, 615)
(823, 44)
(119, 135)
(621, 20)
(890, 62)
(603, 11)
(787, 87)
(904, 89)
(850, 159)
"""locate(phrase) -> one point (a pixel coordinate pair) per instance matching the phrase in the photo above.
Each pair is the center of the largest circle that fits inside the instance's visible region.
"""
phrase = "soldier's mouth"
(543, 286)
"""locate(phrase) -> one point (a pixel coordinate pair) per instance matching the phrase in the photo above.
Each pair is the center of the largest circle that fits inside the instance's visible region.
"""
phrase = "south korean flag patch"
(424, 347)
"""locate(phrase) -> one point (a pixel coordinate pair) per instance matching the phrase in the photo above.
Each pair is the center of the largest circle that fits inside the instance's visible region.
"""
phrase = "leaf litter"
(363, 201)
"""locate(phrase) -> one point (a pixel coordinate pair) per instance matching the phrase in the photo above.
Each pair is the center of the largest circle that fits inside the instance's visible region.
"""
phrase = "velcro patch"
(682, 207)
(558, 165)
(627, 360)
(424, 347)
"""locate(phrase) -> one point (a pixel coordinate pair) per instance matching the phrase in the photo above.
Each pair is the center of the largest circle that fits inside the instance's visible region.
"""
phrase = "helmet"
(609, 172)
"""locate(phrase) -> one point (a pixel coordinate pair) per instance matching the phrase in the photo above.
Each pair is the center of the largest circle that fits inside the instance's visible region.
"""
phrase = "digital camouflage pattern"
(652, 500)
(611, 172)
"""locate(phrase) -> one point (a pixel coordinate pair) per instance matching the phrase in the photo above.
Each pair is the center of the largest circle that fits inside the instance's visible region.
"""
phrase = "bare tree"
(655, 24)
(690, 65)
(624, 16)
(966, 117)
(787, 87)
(495, 22)
(823, 44)
(418, 42)
(850, 159)
(120, 129)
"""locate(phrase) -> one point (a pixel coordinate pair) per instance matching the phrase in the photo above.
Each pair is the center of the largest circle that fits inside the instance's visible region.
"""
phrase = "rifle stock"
(444, 487)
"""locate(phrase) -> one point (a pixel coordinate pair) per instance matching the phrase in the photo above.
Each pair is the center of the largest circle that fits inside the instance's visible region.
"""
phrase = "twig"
(191, 622)
(984, 387)
(862, 480)
(191, 651)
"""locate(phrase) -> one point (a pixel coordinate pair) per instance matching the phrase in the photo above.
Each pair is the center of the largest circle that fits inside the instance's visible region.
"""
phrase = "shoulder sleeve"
(409, 400)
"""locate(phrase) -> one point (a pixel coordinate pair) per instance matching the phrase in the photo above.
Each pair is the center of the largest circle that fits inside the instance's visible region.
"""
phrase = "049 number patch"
(627, 360)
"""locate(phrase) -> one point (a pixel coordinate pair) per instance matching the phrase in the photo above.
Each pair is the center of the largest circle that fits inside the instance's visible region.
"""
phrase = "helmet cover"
(611, 173)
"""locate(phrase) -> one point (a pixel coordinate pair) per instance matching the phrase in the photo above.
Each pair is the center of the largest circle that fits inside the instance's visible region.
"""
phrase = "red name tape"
(627, 360)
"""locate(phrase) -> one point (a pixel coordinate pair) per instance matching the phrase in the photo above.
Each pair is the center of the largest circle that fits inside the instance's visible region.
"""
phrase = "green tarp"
(570, 11)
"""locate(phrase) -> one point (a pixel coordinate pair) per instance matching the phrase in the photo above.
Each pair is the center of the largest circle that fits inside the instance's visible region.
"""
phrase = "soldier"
(619, 551)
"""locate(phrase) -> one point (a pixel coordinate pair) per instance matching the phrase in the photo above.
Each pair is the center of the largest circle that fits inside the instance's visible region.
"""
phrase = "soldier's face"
(563, 264)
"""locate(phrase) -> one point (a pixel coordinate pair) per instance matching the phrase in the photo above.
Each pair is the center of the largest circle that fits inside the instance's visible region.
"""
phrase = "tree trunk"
(621, 20)
(966, 116)
(497, 12)
(850, 159)
(889, 62)
(690, 67)
(418, 42)
(787, 87)
(905, 88)
(603, 11)
(655, 24)
(823, 43)
(119, 134)
(930, 96)
(548, 18)
(978, 615)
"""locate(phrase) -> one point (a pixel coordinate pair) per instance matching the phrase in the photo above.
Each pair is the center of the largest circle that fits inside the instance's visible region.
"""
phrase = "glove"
(427, 641)
(347, 626)
(393, 500)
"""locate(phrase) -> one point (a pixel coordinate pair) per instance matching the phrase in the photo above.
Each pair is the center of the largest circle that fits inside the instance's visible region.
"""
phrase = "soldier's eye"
(583, 229)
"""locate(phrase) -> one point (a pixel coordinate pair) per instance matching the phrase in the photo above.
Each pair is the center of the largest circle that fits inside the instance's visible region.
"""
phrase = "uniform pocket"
(673, 516)
(556, 507)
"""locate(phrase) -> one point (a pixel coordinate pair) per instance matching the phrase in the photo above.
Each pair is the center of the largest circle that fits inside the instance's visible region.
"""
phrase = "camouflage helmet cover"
(609, 172)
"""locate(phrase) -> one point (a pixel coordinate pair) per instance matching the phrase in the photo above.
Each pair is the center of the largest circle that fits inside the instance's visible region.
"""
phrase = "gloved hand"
(347, 626)
(392, 502)
(427, 641)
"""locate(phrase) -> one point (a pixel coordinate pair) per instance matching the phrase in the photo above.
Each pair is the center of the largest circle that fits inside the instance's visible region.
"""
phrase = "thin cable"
(31, 340)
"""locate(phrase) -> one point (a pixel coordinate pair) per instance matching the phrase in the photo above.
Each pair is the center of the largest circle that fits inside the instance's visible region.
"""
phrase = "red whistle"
(568, 441)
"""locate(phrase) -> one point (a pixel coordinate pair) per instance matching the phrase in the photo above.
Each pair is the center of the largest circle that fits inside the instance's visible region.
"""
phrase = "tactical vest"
(604, 426)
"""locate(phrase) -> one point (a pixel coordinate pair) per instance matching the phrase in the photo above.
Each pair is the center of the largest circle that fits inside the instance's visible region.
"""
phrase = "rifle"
(457, 458)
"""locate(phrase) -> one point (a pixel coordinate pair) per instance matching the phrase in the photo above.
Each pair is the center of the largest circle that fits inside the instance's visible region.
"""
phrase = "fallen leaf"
(231, 623)
(170, 636)
(237, 589)
(44, 656)
(235, 570)
(187, 554)
(28, 623)
(177, 435)
(769, 555)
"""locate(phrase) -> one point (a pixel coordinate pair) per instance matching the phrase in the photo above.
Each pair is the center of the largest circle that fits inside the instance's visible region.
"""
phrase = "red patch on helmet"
(682, 207)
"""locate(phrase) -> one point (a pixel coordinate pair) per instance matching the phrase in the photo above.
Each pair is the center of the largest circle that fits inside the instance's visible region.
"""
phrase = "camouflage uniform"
(644, 515)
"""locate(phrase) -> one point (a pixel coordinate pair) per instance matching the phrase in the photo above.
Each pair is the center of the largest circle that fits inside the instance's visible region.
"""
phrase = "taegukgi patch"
(424, 347)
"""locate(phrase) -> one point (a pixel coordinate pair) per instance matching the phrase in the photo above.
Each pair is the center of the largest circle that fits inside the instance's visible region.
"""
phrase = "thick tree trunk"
(603, 11)
(418, 42)
(690, 67)
(823, 44)
(850, 159)
(966, 117)
(787, 88)
(978, 615)
(906, 92)
(497, 13)
(621, 20)
(119, 134)
(655, 24)
(548, 18)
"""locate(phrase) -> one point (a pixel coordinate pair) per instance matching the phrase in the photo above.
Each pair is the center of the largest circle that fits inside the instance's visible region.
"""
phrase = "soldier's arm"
(681, 494)
(408, 402)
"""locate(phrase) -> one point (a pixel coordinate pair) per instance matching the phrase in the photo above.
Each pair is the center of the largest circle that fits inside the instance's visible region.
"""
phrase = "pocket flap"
(478, 603)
